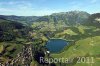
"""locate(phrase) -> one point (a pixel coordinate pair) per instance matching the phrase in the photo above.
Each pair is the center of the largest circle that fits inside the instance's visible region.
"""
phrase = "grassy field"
(9, 50)
(87, 44)
(1, 48)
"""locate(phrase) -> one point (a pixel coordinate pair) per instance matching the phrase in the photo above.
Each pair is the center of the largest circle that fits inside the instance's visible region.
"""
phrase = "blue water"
(56, 45)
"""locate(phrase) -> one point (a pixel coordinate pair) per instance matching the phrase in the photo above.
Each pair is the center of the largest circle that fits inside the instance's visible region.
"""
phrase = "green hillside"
(23, 39)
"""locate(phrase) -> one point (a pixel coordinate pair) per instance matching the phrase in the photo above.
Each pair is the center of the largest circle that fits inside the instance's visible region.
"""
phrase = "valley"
(80, 29)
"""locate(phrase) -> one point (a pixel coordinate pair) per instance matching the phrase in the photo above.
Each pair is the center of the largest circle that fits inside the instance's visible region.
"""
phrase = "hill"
(27, 20)
(10, 30)
(80, 28)
(70, 18)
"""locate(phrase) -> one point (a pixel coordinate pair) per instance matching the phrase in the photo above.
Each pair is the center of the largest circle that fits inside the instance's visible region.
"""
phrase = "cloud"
(94, 1)
(23, 8)
(75, 5)
(26, 7)
(9, 3)
(15, 7)
(5, 10)
(46, 11)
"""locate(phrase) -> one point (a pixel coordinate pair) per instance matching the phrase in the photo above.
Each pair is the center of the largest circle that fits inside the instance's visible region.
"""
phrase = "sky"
(46, 7)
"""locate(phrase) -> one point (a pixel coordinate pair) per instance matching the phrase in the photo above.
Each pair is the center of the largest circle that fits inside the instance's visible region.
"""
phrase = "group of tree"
(10, 30)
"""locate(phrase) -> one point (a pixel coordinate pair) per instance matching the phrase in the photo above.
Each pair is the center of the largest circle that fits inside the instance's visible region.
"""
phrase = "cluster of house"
(24, 57)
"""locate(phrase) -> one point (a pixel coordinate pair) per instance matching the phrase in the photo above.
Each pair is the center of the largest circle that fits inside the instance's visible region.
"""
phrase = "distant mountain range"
(22, 19)
(70, 18)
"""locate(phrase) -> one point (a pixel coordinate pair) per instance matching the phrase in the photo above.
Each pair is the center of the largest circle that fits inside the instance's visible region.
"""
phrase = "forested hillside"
(23, 39)
(27, 20)
(70, 18)
(10, 30)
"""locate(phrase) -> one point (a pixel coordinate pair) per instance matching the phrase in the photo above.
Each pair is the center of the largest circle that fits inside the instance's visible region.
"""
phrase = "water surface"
(56, 45)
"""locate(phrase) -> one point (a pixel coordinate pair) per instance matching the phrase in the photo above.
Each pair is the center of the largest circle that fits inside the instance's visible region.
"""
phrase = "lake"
(56, 45)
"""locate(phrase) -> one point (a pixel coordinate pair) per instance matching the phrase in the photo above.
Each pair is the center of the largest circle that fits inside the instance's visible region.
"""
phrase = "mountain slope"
(70, 18)
(22, 19)
(10, 30)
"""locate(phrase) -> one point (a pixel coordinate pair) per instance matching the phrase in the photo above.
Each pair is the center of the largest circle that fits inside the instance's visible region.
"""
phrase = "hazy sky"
(46, 7)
